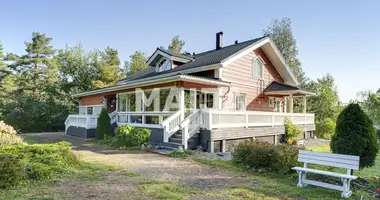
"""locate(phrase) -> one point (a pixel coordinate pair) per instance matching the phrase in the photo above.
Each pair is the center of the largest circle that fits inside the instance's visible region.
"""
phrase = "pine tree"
(109, 68)
(176, 45)
(137, 63)
(355, 135)
(103, 126)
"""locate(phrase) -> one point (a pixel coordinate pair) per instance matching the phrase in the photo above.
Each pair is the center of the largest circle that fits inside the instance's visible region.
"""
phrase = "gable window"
(240, 100)
(164, 65)
(258, 67)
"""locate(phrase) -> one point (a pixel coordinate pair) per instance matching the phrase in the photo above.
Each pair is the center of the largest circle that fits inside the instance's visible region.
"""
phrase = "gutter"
(155, 81)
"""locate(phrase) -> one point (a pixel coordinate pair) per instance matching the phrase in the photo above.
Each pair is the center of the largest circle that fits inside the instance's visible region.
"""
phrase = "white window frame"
(262, 67)
(245, 100)
(271, 102)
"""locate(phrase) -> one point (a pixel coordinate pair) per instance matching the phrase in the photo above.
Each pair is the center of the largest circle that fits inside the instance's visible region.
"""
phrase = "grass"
(166, 190)
(270, 186)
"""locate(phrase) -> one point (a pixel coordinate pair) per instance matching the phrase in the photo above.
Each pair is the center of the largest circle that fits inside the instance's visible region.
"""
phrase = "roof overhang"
(299, 92)
(273, 54)
(160, 53)
(141, 83)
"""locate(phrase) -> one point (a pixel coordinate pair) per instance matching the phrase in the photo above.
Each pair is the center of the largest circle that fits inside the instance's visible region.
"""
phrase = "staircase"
(176, 140)
(175, 130)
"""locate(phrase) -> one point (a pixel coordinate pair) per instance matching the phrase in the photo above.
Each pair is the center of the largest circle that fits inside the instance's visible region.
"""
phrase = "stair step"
(171, 145)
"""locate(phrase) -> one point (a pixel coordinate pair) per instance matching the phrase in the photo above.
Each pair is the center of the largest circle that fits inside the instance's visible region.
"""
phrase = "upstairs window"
(258, 67)
(164, 65)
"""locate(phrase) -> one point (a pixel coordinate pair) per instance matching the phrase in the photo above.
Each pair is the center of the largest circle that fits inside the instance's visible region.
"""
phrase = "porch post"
(181, 102)
(285, 105)
(304, 104)
(291, 103)
(218, 99)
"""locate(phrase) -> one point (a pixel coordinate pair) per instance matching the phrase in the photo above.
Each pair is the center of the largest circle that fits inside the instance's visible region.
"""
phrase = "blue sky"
(337, 37)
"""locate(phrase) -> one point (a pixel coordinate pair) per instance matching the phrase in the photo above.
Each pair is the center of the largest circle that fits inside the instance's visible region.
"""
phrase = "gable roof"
(282, 88)
(199, 60)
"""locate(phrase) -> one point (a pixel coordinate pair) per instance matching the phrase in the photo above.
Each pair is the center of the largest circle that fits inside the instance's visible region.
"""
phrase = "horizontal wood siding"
(240, 74)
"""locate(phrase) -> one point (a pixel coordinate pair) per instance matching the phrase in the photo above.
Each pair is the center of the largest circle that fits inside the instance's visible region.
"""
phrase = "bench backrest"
(329, 159)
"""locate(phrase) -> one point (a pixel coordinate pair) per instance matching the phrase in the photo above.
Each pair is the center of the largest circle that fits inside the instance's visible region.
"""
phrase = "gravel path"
(149, 166)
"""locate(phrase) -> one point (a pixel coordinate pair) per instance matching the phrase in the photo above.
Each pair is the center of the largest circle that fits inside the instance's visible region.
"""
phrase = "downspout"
(225, 95)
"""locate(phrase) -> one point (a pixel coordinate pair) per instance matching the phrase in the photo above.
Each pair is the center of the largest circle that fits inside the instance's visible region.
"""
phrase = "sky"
(337, 37)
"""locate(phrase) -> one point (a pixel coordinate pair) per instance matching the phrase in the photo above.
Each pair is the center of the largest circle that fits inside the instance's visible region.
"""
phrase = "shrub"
(355, 135)
(128, 136)
(177, 154)
(103, 126)
(8, 135)
(35, 162)
(292, 132)
(11, 170)
(262, 155)
(326, 128)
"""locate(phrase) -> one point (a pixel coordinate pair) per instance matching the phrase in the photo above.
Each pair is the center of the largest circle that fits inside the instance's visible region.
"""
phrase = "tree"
(109, 68)
(326, 103)
(355, 135)
(137, 63)
(103, 126)
(370, 103)
(176, 45)
(36, 68)
(280, 31)
(3, 68)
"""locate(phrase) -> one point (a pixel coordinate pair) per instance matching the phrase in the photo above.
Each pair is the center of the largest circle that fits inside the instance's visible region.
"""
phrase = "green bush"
(11, 170)
(35, 162)
(355, 135)
(326, 128)
(103, 126)
(8, 135)
(292, 132)
(262, 155)
(177, 154)
(128, 136)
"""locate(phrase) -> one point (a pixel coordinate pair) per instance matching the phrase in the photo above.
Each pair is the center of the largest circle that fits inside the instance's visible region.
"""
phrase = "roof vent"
(219, 37)
(236, 41)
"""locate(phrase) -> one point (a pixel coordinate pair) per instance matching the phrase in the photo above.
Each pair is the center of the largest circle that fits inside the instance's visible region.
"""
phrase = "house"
(240, 91)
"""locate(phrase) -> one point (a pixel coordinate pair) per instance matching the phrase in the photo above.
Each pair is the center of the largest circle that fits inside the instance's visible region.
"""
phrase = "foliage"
(355, 135)
(109, 68)
(11, 170)
(325, 129)
(176, 45)
(326, 103)
(280, 31)
(292, 132)
(370, 102)
(35, 162)
(8, 135)
(128, 136)
(136, 63)
(103, 127)
(262, 155)
(178, 154)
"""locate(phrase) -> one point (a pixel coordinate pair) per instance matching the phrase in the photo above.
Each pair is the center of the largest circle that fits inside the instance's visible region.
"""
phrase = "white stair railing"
(171, 125)
(113, 117)
(191, 125)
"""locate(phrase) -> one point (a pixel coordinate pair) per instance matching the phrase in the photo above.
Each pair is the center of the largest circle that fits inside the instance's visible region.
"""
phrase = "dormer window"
(258, 67)
(164, 64)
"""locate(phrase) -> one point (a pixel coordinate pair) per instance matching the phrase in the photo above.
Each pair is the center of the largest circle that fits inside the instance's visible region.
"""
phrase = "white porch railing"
(85, 121)
(143, 119)
(113, 117)
(171, 125)
(226, 119)
(191, 125)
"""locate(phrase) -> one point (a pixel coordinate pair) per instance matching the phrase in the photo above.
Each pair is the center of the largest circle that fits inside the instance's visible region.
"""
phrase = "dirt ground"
(144, 167)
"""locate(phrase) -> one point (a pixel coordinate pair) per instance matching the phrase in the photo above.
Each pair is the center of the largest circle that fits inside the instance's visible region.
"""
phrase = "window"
(164, 65)
(258, 67)
(209, 100)
(240, 101)
(271, 102)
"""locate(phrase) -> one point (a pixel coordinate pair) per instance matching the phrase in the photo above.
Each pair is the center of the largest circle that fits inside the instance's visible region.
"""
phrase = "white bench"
(347, 162)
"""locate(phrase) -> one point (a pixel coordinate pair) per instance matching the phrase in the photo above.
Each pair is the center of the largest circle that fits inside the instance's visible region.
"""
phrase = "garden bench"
(347, 162)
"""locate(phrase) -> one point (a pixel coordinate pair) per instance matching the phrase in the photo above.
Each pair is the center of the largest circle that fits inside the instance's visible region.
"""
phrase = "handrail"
(170, 118)
(189, 118)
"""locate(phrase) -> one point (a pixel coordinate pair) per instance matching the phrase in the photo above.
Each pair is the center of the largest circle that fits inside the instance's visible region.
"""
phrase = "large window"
(258, 67)
(240, 101)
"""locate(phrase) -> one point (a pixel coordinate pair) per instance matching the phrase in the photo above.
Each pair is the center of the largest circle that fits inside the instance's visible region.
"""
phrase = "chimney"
(219, 37)
(236, 41)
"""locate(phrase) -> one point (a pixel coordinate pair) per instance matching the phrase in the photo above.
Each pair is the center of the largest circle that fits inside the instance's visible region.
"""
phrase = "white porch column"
(218, 99)
(181, 102)
(304, 104)
(193, 99)
(285, 105)
(291, 103)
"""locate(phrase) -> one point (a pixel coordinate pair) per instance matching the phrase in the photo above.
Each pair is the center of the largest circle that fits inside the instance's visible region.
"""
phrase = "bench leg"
(301, 179)
(346, 188)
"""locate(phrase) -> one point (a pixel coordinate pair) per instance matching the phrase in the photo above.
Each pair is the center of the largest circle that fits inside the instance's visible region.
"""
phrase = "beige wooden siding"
(240, 74)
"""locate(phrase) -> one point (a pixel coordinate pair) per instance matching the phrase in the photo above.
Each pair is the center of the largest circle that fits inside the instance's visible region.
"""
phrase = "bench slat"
(316, 171)
(329, 162)
(325, 185)
(330, 155)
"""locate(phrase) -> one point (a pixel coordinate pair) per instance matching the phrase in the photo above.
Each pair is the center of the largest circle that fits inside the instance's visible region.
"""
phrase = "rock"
(180, 149)
(220, 154)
